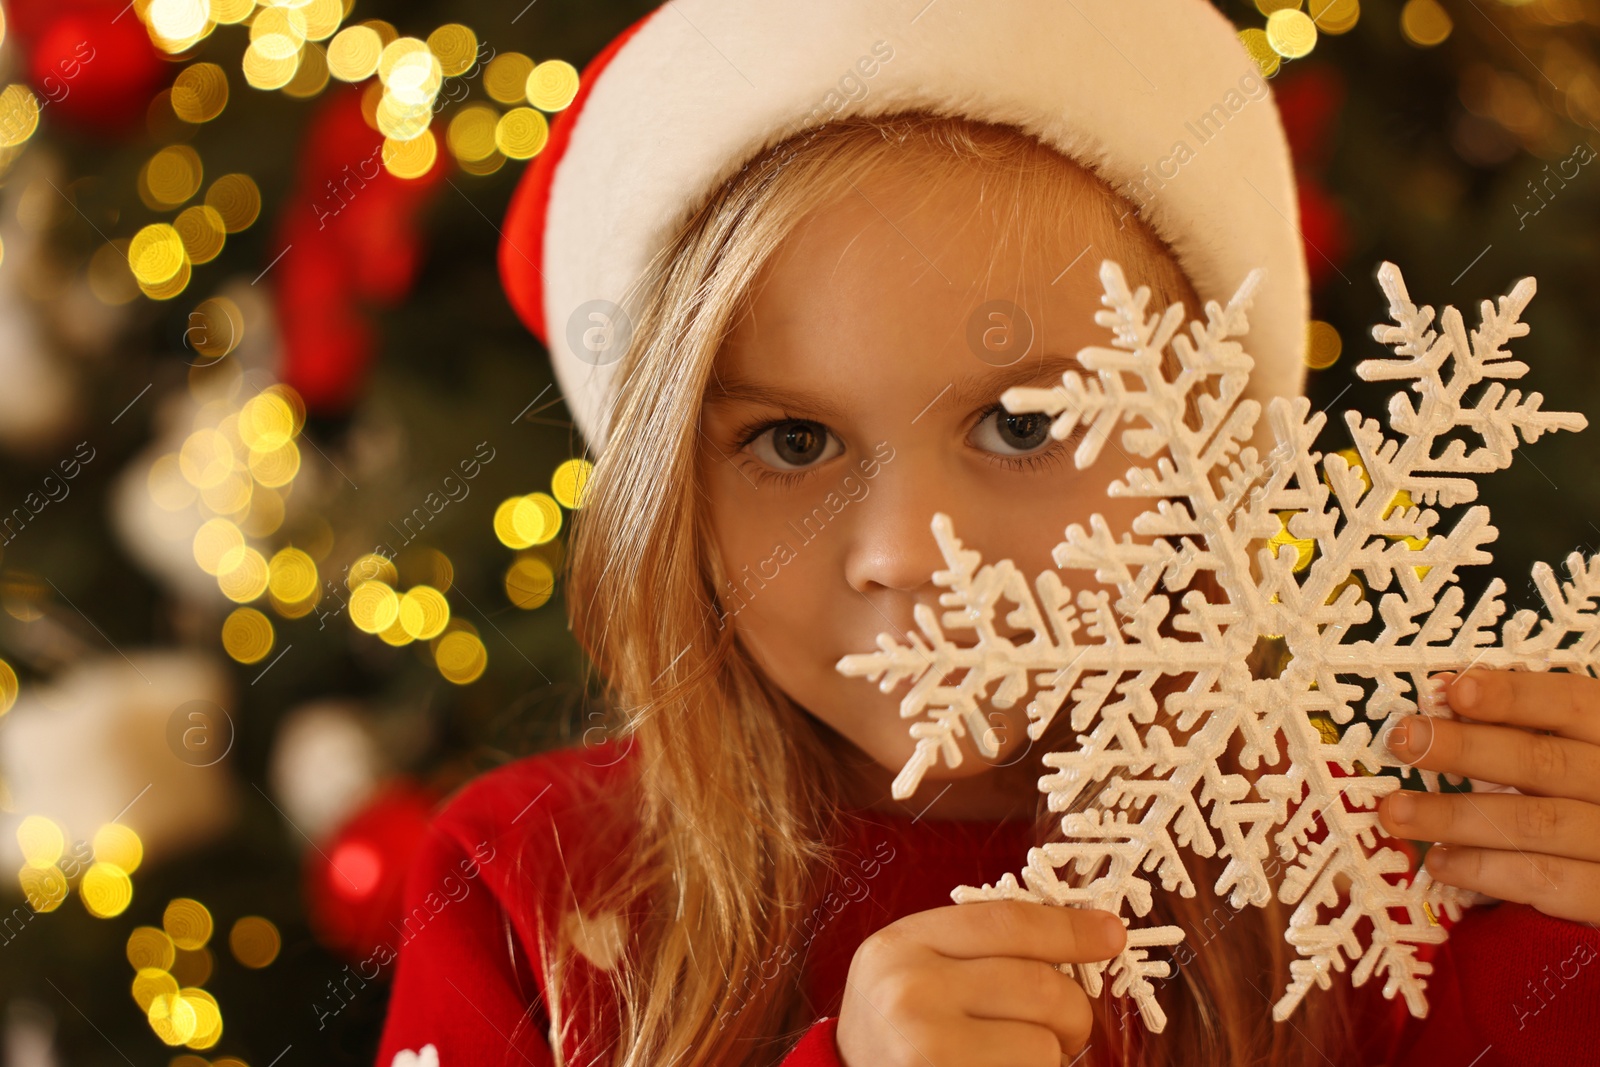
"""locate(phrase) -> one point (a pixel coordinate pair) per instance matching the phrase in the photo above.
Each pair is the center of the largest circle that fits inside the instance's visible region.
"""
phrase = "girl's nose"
(891, 541)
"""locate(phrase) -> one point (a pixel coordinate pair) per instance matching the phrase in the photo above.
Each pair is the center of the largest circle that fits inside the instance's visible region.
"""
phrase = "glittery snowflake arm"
(1145, 782)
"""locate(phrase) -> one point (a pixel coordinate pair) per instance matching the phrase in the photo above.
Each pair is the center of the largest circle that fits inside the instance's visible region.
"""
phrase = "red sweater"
(1511, 987)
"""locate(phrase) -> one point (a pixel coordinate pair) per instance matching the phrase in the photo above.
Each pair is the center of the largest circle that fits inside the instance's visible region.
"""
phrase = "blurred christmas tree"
(285, 483)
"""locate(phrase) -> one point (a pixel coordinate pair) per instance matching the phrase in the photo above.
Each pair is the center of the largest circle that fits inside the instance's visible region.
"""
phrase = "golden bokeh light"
(243, 574)
(487, 165)
(156, 254)
(1425, 23)
(278, 467)
(396, 635)
(399, 121)
(353, 54)
(19, 115)
(456, 46)
(1335, 16)
(1323, 345)
(201, 230)
(206, 458)
(41, 840)
(150, 983)
(173, 1018)
(322, 18)
(236, 199)
(270, 63)
(413, 158)
(106, 890)
(283, 25)
(200, 92)
(177, 24)
(172, 176)
(293, 576)
(45, 888)
(172, 286)
(116, 843)
(374, 607)
(266, 422)
(424, 611)
(1267, 7)
(505, 528)
(371, 567)
(471, 133)
(552, 85)
(506, 77)
(461, 657)
(247, 635)
(536, 518)
(231, 496)
(9, 687)
(150, 948)
(216, 541)
(1291, 33)
(568, 482)
(208, 1018)
(231, 12)
(414, 78)
(255, 941)
(187, 922)
(311, 77)
(521, 133)
(529, 582)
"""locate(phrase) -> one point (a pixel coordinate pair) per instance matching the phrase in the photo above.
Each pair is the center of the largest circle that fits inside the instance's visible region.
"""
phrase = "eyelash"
(1032, 461)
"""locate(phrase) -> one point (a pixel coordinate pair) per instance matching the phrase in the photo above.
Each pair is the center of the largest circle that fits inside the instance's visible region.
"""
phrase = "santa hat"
(1158, 97)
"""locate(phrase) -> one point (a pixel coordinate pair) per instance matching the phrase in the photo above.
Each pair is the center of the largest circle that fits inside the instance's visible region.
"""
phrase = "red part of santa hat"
(1158, 97)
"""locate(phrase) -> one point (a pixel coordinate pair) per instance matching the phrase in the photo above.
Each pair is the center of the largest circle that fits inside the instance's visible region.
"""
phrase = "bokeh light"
(254, 941)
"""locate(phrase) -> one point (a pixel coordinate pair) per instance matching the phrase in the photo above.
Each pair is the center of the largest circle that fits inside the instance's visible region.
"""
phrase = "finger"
(1559, 887)
(1541, 764)
(1020, 928)
(1551, 825)
(1027, 991)
(1003, 1043)
(1566, 703)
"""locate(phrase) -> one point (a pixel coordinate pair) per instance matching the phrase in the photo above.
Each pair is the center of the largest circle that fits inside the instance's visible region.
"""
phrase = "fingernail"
(1401, 808)
(1419, 733)
(1463, 693)
(1438, 859)
(1112, 927)
(1396, 738)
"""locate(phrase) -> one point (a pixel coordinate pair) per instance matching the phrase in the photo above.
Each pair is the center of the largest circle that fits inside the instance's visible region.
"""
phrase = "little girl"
(786, 257)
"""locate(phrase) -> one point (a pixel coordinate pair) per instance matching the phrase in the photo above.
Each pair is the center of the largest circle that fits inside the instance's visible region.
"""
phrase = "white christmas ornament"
(1145, 782)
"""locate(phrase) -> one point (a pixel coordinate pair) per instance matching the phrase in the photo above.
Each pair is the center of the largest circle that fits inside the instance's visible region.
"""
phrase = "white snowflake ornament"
(1145, 783)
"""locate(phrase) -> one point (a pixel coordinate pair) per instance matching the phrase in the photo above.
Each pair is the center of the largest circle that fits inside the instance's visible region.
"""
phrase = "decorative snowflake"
(1285, 546)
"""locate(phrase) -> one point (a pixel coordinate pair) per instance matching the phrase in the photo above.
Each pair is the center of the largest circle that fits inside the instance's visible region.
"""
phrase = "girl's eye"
(793, 445)
(1012, 433)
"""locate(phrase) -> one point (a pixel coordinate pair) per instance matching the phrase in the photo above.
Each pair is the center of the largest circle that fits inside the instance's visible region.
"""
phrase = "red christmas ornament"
(353, 882)
(90, 62)
(350, 233)
(1323, 226)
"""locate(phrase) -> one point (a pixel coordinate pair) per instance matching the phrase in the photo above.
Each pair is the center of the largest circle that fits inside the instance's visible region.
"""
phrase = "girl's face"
(859, 395)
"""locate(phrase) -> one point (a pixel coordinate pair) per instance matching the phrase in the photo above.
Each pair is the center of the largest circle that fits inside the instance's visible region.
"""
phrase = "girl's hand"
(972, 985)
(1541, 849)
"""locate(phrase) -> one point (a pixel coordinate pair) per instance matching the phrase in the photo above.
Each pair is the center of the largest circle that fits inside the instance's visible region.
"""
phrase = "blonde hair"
(733, 812)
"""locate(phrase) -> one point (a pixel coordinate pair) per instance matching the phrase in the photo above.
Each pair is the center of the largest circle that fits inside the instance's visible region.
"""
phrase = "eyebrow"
(986, 385)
